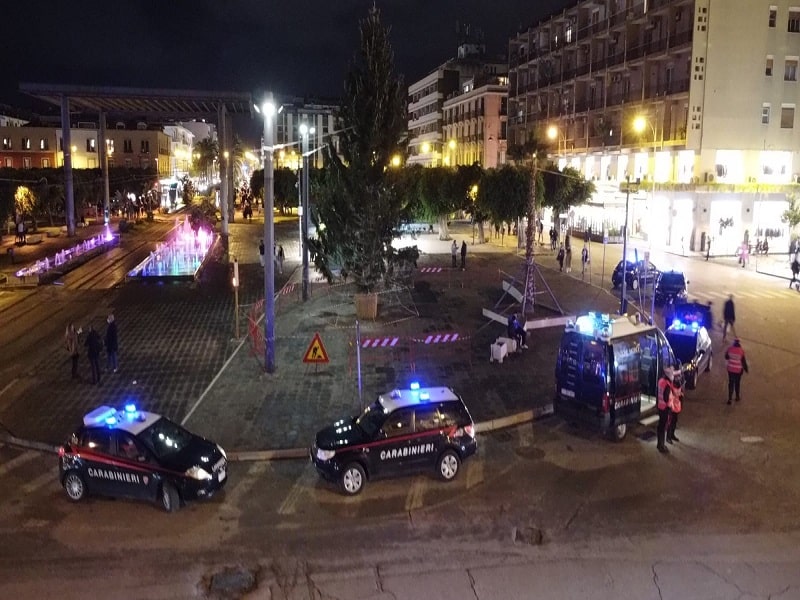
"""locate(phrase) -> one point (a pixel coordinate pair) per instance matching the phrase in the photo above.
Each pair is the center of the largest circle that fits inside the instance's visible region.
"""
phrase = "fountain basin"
(178, 259)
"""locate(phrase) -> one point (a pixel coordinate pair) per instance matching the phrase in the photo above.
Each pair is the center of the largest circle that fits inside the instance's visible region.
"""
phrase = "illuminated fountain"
(179, 258)
(53, 267)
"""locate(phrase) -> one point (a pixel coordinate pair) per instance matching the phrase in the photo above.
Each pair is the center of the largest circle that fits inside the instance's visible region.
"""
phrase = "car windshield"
(372, 419)
(684, 346)
(673, 279)
(165, 438)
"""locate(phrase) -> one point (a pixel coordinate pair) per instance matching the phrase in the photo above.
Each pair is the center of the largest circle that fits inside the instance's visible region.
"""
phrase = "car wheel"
(353, 478)
(170, 500)
(74, 486)
(619, 431)
(634, 283)
(448, 465)
(708, 365)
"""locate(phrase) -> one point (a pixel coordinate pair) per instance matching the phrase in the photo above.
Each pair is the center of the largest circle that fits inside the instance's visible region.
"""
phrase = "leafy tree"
(286, 189)
(25, 203)
(565, 188)
(791, 215)
(503, 194)
(356, 208)
(207, 150)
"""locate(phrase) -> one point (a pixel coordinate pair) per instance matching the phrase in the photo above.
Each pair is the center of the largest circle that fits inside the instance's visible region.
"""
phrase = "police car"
(404, 431)
(688, 335)
(137, 454)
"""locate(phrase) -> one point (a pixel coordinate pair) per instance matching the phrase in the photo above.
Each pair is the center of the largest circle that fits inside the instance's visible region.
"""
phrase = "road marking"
(305, 481)
(474, 473)
(19, 460)
(8, 385)
(35, 484)
(416, 493)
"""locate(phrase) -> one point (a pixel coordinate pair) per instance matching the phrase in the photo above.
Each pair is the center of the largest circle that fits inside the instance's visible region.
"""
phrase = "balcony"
(680, 39)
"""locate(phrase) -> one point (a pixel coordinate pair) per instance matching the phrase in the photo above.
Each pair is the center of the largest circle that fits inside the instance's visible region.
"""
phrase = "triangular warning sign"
(316, 351)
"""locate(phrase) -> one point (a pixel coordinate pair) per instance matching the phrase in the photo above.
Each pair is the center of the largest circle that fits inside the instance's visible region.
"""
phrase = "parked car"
(637, 273)
(671, 286)
(688, 336)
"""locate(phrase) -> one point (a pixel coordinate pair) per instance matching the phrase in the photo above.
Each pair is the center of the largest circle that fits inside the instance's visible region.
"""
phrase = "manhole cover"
(231, 582)
(751, 439)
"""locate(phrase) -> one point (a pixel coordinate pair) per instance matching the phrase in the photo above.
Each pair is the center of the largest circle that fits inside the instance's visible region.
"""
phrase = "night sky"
(298, 47)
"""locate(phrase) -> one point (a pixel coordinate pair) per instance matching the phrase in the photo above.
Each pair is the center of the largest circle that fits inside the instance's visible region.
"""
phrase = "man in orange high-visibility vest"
(664, 404)
(737, 364)
(674, 411)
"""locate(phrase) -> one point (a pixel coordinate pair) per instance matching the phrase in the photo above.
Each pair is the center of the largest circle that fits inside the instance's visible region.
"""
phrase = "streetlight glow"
(552, 132)
(426, 147)
(639, 123)
(396, 160)
(452, 144)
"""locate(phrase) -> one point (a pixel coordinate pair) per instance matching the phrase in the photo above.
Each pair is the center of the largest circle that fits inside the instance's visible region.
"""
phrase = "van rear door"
(580, 376)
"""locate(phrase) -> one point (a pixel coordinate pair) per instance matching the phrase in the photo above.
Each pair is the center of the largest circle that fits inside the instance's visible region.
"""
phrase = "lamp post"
(623, 301)
(268, 111)
(305, 130)
(554, 133)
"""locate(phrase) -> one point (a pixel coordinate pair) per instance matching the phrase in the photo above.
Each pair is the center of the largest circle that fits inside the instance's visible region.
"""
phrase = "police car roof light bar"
(130, 408)
(99, 415)
(424, 396)
(414, 385)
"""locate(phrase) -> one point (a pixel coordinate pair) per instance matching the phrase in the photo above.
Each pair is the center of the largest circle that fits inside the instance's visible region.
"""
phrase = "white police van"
(607, 371)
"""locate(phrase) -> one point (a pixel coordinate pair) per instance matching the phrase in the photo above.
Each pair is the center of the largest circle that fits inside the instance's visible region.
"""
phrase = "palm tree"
(207, 151)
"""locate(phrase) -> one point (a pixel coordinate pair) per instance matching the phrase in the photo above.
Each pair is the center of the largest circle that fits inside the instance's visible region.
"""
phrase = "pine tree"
(356, 207)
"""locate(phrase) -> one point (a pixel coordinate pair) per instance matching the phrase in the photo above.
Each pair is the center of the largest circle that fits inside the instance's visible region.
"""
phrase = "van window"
(627, 375)
(649, 363)
(594, 361)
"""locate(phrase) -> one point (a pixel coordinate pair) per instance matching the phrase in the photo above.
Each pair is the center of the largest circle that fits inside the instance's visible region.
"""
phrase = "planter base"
(367, 306)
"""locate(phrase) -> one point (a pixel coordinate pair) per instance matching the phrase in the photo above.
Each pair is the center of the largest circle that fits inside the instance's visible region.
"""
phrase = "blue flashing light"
(676, 323)
(414, 385)
(695, 326)
(111, 420)
(424, 396)
(130, 408)
(99, 415)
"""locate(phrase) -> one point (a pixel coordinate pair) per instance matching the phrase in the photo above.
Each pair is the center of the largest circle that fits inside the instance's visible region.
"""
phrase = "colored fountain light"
(60, 261)
(179, 258)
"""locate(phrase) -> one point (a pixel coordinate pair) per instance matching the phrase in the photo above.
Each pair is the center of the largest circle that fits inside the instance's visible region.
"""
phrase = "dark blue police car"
(137, 454)
(404, 431)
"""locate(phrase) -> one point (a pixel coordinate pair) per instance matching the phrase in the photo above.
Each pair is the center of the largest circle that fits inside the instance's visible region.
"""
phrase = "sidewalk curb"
(302, 453)
(27, 444)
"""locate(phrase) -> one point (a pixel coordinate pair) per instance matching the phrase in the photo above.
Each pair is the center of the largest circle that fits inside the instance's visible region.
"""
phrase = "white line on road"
(8, 385)
(19, 460)
(303, 483)
(474, 473)
(416, 493)
(41, 480)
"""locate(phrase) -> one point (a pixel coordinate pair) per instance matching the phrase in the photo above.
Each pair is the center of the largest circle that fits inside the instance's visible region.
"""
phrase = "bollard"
(10, 252)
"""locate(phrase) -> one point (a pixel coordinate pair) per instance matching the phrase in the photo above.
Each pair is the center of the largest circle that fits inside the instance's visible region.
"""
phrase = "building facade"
(317, 115)
(695, 99)
(181, 142)
(28, 147)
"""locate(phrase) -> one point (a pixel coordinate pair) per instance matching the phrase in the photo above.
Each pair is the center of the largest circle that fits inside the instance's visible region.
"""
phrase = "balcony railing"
(679, 39)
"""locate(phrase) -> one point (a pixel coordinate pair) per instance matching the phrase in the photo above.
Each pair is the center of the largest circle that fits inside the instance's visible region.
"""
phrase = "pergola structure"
(163, 104)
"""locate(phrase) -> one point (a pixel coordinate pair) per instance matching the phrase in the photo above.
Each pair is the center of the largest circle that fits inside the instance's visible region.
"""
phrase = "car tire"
(618, 432)
(74, 486)
(353, 479)
(634, 283)
(170, 500)
(708, 364)
(448, 465)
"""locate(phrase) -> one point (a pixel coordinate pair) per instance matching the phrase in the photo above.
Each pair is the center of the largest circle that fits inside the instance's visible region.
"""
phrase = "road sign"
(631, 187)
(316, 351)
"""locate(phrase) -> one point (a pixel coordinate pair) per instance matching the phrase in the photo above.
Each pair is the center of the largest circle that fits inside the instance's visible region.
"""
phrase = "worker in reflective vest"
(737, 364)
(674, 410)
(663, 404)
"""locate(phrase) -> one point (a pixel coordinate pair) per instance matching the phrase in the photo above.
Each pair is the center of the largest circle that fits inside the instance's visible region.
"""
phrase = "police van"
(137, 454)
(607, 371)
(403, 431)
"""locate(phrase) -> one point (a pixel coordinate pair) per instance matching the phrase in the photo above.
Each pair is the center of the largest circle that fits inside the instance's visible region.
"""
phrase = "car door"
(398, 432)
(429, 425)
(703, 349)
(95, 452)
(135, 467)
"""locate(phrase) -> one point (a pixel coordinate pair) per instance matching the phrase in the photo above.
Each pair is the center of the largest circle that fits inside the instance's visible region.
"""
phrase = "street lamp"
(554, 133)
(268, 111)
(305, 131)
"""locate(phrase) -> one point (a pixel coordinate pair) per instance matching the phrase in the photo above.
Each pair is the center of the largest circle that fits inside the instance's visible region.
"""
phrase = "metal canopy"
(145, 102)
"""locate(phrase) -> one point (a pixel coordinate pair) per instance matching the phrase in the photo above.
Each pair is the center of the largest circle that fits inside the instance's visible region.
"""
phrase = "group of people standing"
(278, 255)
(94, 345)
(454, 254)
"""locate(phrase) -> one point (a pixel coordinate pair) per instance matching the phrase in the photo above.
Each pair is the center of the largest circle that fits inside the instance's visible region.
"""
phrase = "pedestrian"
(261, 252)
(517, 332)
(728, 318)
(94, 345)
(560, 258)
(663, 405)
(795, 266)
(454, 253)
(112, 343)
(281, 257)
(675, 409)
(463, 254)
(21, 231)
(584, 259)
(567, 254)
(737, 364)
(708, 248)
(71, 344)
(540, 227)
(496, 230)
(744, 254)
(553, 238)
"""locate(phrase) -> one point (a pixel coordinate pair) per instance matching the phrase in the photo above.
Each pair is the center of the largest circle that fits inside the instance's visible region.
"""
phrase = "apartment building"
(317, 114)
(181, 142)
(682, 95)
(474, 126)
(25, 147)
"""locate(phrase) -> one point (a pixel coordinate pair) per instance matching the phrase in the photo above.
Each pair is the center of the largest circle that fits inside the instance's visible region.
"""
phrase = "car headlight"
(325, 454)
(222, 451)
(198, 472)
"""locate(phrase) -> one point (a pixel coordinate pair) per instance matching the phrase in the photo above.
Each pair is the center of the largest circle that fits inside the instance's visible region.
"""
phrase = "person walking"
(281, 257)
(664, 405)
(795, 266)
(728, 317)
(584, 259)
(94, 346)
(737, 364)
(674, 411)
(454, 253)
(261, 252)
(463, 254)
(567, 255)
(112, 343)
(560, 258)
(71, 344)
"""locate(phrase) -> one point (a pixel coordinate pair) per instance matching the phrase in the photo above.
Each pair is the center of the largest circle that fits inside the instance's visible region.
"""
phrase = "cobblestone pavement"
(179, 355)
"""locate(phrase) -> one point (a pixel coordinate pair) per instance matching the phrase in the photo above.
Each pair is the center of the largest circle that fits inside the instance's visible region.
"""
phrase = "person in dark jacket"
(463, 255)
(94, 346)
(112, 343)
(728, 318)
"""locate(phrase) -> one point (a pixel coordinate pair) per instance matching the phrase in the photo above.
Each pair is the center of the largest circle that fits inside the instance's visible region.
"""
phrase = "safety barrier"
(440, 343)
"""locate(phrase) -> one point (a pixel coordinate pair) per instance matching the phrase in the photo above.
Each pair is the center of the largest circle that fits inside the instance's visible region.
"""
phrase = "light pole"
(639, 125)
(623, 301)
(268, 111)
(305, 130)
(554, 133)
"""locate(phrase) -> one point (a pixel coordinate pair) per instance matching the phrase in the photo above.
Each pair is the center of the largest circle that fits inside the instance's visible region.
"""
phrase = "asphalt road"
(544, 510)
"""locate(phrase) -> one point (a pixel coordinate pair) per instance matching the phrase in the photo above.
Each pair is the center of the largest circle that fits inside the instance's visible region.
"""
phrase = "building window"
(44, 144)
(128, 163)
(6, 143)
(145, 147)
(790, 71)
(45, 163)
(787, 117)
(26, 162)
(765, 114)
(145, 162)
(768, 68)
(794, 20)
(9, 163)
(127, 146)
(26, 143)
(773, 16)
(90, 145)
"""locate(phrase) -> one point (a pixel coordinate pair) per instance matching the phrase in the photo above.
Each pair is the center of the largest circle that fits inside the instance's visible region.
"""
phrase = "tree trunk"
(530, 286)
(444, 234)
(481, 233)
